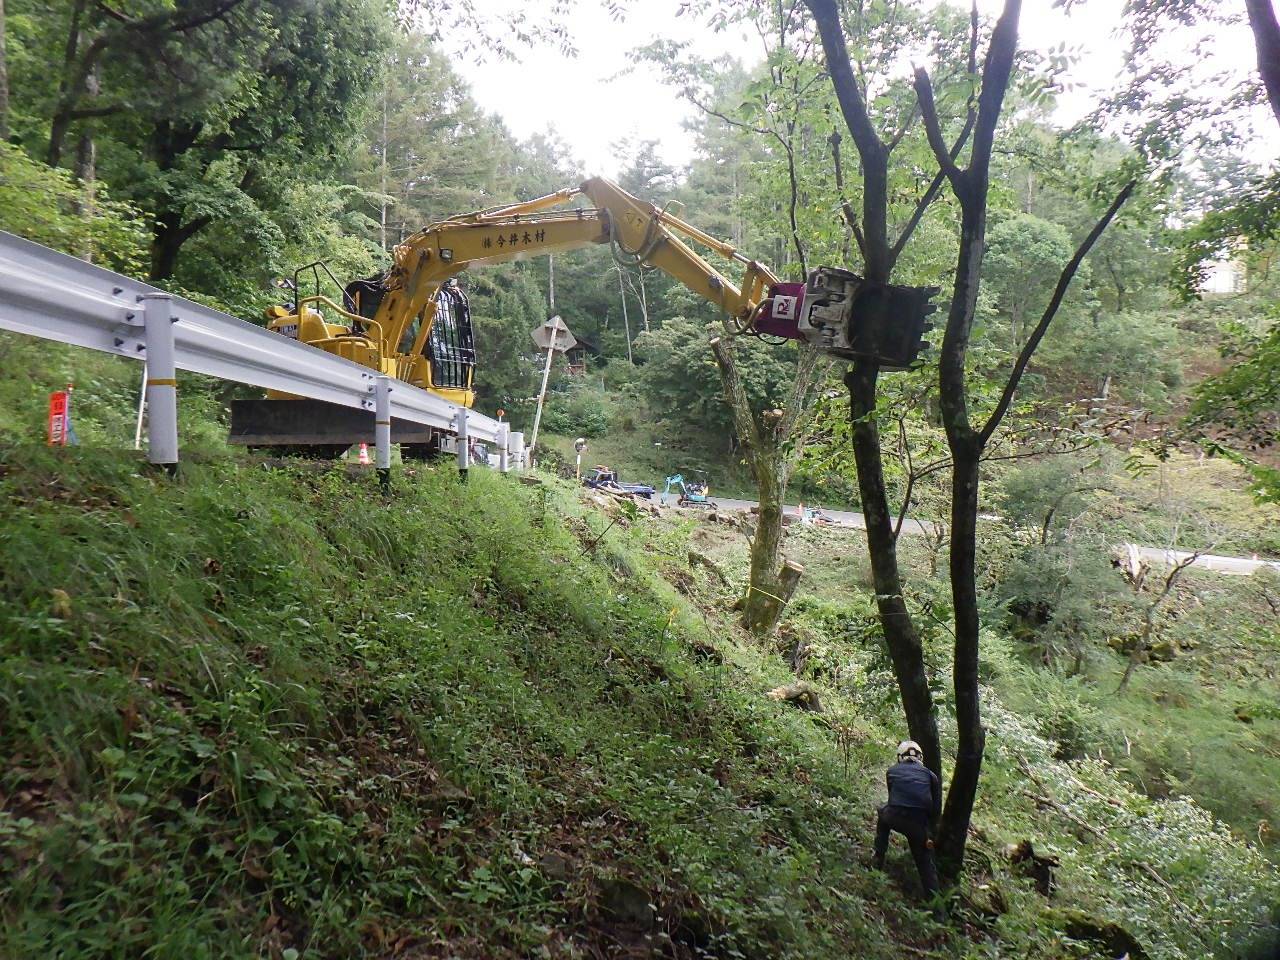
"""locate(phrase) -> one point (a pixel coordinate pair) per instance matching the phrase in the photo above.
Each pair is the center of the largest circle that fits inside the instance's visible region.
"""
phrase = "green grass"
(251, 712)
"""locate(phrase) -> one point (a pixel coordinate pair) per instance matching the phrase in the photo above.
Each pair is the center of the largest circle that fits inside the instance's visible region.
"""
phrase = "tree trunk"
(970, 735)
(87, 170)
(1266, 37)
(4, 81)
(770, 611)
(382, 204)
(760, 610)
(900, 635)
(68, 88)
(87, 174)
(167, 240)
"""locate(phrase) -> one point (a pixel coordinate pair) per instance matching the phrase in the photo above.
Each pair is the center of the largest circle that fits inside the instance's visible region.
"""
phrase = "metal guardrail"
(50, 295)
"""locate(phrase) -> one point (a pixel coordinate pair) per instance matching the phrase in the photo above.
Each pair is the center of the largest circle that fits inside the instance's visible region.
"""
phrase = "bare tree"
(764, 438)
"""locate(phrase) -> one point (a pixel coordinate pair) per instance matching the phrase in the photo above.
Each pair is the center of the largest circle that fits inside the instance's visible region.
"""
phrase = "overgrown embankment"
(254, 712)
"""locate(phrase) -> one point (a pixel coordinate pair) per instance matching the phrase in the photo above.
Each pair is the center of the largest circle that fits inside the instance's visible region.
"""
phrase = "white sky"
(590, 106)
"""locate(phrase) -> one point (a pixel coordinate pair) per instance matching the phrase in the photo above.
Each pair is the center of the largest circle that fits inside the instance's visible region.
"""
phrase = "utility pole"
(383, 202)
(626, 324)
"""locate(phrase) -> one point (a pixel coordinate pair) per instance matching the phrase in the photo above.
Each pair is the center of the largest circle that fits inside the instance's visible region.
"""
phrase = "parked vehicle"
(602, 478)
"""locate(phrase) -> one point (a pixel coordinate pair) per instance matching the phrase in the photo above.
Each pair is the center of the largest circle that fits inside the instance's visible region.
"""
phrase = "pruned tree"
(764, 437)
(770, 114)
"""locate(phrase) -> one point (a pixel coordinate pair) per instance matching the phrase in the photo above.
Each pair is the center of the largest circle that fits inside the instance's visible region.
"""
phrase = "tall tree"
(879, 252)
(4, 80)
(966, 442)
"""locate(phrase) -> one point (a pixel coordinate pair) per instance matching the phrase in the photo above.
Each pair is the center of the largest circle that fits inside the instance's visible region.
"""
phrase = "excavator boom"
(413, 323)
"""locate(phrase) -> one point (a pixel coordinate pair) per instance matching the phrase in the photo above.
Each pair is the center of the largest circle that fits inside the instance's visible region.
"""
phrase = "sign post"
(553, 337)
(58, 422)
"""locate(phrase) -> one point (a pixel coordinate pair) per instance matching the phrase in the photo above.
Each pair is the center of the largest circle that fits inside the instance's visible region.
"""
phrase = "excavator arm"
(412, 322)
(641, 233)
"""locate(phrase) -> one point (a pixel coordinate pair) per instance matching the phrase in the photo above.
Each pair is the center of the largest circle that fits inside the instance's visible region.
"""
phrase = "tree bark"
(901, 637)
(761, 449)
(971, 736)
(4, 81)
(760, 610)
(1266, 37)
(772, 608)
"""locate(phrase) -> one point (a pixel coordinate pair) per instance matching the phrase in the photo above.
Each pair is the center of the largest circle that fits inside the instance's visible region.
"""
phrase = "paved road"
(1156, 556)
(1239, 566)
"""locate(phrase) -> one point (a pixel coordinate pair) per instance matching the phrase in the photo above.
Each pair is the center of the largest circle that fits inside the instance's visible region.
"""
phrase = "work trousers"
(914, 825)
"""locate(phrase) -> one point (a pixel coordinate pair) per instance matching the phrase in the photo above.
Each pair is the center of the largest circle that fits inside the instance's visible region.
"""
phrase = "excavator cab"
(283, 423)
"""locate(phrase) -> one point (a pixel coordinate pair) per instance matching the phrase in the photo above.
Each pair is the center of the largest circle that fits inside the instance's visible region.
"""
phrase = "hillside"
(269, 713)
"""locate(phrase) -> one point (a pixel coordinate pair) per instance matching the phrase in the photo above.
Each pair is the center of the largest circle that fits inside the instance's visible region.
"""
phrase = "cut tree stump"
(771, 610)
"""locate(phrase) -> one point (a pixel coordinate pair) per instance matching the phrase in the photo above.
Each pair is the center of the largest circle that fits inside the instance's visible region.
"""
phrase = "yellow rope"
(772, 596)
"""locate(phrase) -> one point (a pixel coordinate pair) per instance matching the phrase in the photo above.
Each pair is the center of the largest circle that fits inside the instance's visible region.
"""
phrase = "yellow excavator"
(413, 321)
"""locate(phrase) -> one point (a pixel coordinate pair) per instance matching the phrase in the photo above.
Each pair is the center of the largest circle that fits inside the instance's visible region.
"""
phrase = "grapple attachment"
(846, 315)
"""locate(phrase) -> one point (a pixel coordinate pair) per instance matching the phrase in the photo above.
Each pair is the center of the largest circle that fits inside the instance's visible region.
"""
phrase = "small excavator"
(413, 321)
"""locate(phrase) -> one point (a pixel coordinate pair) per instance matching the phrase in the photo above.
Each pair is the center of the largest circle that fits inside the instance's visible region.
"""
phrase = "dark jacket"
(915, 786)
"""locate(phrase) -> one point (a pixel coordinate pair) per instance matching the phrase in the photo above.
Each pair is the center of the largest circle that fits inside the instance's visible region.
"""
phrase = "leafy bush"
(578, 411)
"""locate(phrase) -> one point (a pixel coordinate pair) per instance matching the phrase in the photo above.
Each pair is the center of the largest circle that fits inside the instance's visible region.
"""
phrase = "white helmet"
(910, 750)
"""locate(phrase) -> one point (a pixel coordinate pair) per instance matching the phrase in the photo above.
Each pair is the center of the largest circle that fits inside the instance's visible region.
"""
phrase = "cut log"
(799, 694)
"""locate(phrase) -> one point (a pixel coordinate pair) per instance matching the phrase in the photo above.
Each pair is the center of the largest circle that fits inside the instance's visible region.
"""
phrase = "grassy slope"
(250, 712)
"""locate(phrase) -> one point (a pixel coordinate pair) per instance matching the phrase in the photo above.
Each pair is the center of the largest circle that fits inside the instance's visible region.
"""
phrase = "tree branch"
(933, 128)
(995, 81)
(971, 114)
(875, 158)
(1059, 293)
(86, 113)
(849, 96)
(846, 207)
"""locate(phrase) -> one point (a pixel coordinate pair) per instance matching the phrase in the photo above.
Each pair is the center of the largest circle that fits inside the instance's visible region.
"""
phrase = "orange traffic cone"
(364, 453)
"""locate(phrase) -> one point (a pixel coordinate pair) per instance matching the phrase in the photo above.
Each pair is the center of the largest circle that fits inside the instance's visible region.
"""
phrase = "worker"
(915, 801)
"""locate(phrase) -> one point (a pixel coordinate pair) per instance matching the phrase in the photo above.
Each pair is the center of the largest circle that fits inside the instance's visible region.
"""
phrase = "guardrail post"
(464, 447)
(162, 383)
(382, 428)
(517, 449)
(504, 453)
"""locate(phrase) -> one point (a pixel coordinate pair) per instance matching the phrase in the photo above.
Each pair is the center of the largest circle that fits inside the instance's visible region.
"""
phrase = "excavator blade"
(274, 423)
